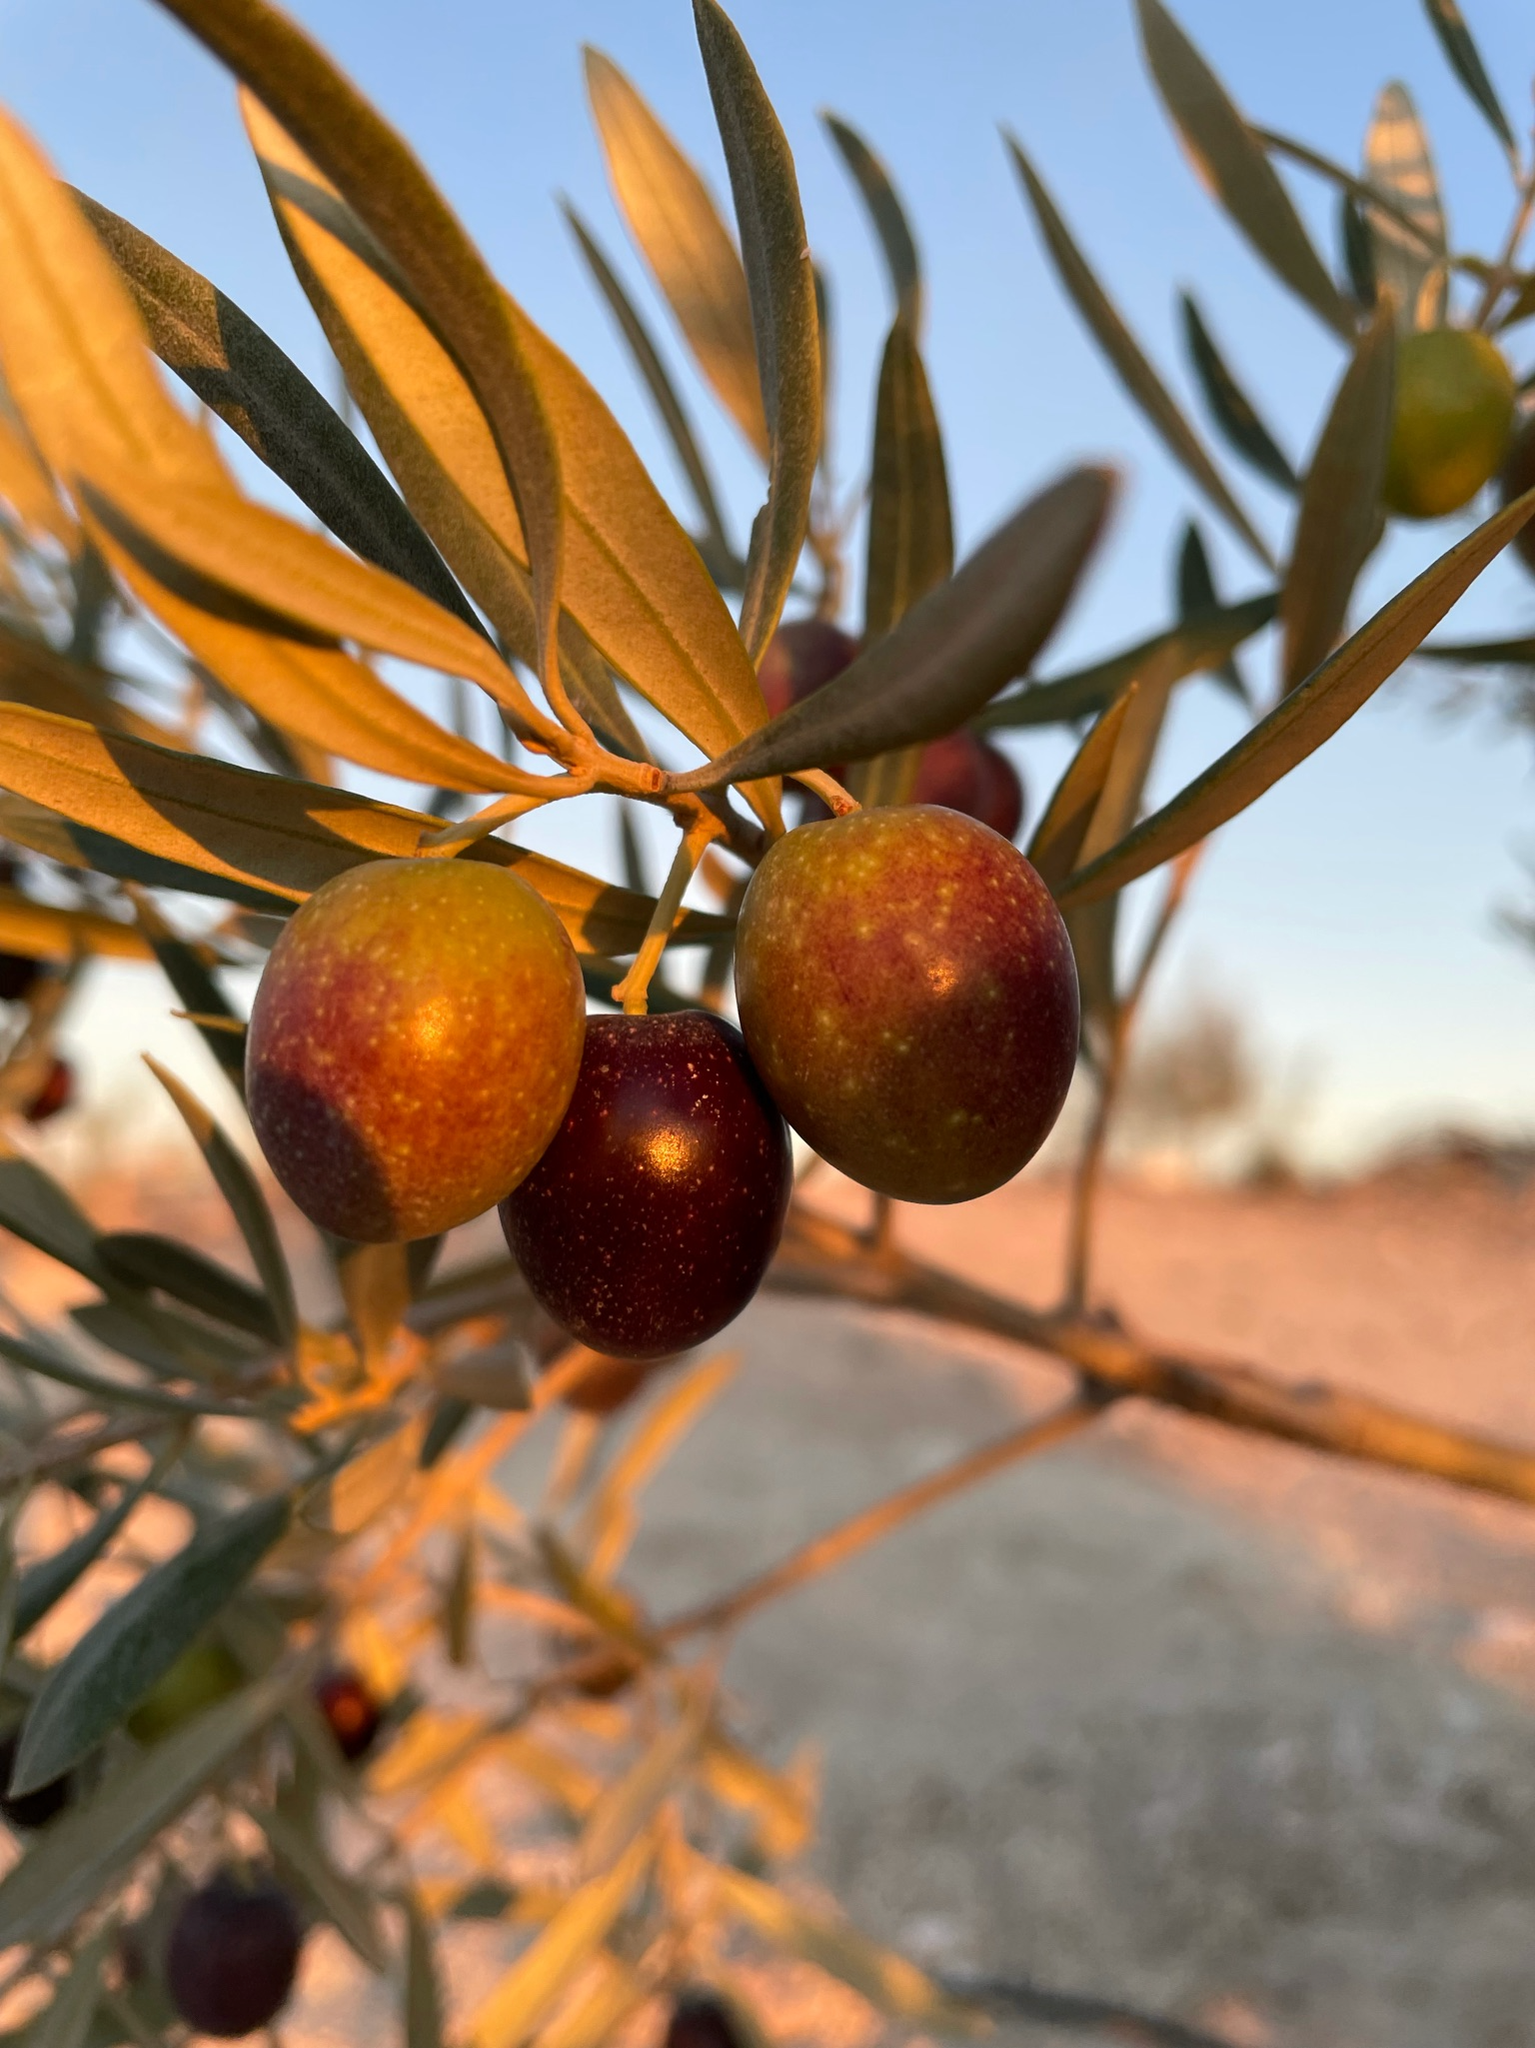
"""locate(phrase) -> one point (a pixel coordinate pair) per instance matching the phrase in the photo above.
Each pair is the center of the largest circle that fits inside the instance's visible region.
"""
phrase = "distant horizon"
(1349, 916)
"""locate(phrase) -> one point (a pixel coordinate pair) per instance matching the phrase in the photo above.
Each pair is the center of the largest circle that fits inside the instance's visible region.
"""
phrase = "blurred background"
(1348, 926)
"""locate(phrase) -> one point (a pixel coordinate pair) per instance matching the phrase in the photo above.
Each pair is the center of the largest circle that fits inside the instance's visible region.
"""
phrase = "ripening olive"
(232, 1954)
(36, 1808)
(351, 1711)
(702, 2019)
(413, 1045)
(908, 992)
(201, 1676)
(964, 773)
(801, 658)
(56, 1093)
(18, 976)
(1453, 411)
(650, 1221)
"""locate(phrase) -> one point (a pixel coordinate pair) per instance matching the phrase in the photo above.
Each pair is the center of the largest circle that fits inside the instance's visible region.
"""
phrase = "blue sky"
(1349, 914)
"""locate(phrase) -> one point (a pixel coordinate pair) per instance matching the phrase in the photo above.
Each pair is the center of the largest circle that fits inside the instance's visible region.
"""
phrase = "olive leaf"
(76, 846)
(1397, 162)
(1340, 521)
(629, 1803)
(116, 1662)
(781, 288)
(241, 374)
(633, 580)
(1481, 653)
(1058, 837)
(888, 217)
(715, 546)
(678, 230)
(287, 836)
(380, 178)
(65, 1868)
(31, 492)
(1466, 61)
(241, 1190)
(65, 2022)
(1307, 718)
(422, 1998)
(1195, 644)
(1230, 407)
(1198, 599)
(166, 1342)
(952, 651)
(47, 931)
(1232, 165)
(510, 2014)
(1358, 252)
(111, 1394)
(143, 1259)
(36, 1209)
(42, 1585)
(33, 673)
(1127, 359)
(911, 533)
(302, 1854)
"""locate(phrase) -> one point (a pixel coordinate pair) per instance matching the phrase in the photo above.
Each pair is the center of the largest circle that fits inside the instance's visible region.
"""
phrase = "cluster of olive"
(419, 1050)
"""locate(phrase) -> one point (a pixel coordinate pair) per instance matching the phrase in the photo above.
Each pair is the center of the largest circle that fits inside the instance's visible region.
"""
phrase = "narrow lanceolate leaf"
(422, 2000)
(76, 846)
(302, 1854)
(1058, 837)
(715, 548)
(509, 2016)
(1128, 360)
(952, 651)
(1397, 162)
(66, 2022)
(136, 1641)
(1482, 653)
(241, 1190)
(1198, 599)
(1307, 718)
(29, 489)
(47, 931)
(781, 286)
(1230, 407)
(1189, 648)
(36, 1209)
(66, 1868)
(1340, 518)
(911, 533)
(44, 1584)
(1232, 165)
(888, 216)
(633, 581)
(629, 1803)
(141, 1259)
(678, 230)
(886, 1980)
(381, 179)
(284, 836)
(1358, 252)
(242, 375)
(1466, 61)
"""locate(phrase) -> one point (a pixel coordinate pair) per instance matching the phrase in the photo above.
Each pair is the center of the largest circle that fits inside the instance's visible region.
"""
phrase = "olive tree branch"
(826, 1258)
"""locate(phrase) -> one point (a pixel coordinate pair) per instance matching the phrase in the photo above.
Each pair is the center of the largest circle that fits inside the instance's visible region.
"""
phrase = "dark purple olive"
(650, 1221)
(232, 1954)
(963, 773)
(56, 1093)
(702, 2020)
(351, 1710)
(801, 658)
(30, 1809)
(18, 976)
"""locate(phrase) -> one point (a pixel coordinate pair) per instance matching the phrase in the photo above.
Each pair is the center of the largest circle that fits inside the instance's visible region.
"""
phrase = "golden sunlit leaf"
(611, 1518)
(1397, 161)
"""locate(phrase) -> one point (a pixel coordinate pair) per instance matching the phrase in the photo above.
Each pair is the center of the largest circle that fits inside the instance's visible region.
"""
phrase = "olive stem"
(634, 990)
(1503, 268)
(836, 799)
(1089, 1172)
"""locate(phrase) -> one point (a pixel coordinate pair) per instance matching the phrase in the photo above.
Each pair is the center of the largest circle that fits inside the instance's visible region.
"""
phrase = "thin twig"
(823, 1553)
(1074, 2011)
(1503, 269)
(634, 990)
(826, 1258)
(1089, 1172)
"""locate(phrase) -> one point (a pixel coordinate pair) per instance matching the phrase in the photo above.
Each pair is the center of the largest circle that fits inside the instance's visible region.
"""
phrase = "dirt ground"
(1214, 1728)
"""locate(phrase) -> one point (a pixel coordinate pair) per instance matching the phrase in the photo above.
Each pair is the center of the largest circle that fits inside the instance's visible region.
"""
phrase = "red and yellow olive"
(908, 993)
(56, 1093)
(650, 1221)
(965, 773)
(351, 1712)
(801, 658)
(413, 1045)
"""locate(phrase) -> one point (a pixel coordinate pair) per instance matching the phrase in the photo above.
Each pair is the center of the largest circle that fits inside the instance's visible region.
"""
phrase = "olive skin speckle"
(649, 1222)
(908, 992)
(413, 1045)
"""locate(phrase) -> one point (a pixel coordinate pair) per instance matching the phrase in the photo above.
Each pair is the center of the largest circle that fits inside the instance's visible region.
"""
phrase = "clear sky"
(1350, 913)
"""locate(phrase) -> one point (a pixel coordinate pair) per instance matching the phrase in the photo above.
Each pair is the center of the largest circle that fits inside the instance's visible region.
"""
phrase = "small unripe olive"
(1453, 411)
(201, 1676)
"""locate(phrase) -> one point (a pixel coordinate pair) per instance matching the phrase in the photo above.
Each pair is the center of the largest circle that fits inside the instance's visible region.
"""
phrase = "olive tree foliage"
(342, 1476)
